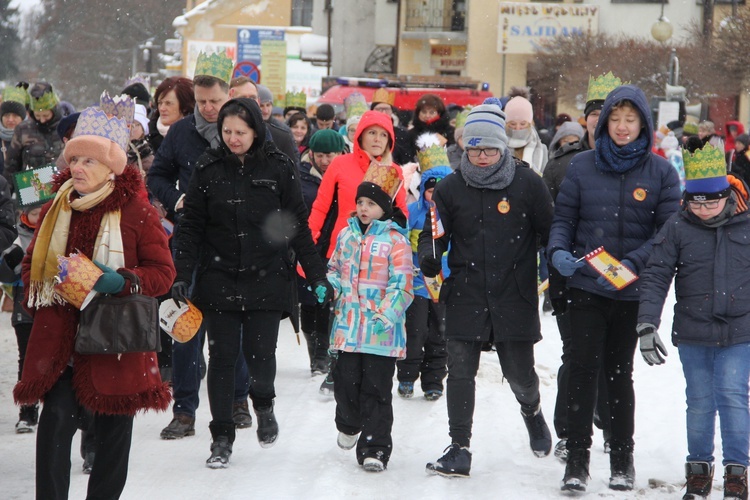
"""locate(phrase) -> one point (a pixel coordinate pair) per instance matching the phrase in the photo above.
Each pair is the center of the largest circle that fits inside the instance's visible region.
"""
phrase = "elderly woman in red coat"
(97, 212)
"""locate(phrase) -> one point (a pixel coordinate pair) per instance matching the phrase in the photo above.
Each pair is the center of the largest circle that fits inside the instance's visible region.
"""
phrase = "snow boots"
(221, 451)
(576, 471)
(406, 389)
(699, 477)
(268, 428)
(179, 427)
(540, 439)
(241, 415)
(456, 462)
(622, 471)
(28, 417)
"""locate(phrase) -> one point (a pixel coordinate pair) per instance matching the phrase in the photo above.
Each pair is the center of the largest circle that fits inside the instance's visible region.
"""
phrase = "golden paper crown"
(216, 65)
(434, 156)
(355, 105)
(385, 177)
(121, 106)
(382, 95)
(15, 94)
(601, 86)
(94, 121)
(296, 100)
(461, 117)
(705, 163)
(47, 101)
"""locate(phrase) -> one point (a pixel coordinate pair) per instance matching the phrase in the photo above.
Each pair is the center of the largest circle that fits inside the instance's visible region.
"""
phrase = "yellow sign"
(448, 57)
(273, 68)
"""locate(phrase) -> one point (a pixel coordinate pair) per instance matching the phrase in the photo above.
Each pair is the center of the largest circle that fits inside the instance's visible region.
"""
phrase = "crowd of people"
(401, 251)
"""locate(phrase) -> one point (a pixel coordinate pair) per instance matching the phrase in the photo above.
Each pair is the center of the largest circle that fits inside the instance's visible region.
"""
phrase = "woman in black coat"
(244, 225)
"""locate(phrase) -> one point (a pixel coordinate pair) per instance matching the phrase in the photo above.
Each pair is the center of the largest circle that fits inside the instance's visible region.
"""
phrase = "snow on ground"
(306, 463)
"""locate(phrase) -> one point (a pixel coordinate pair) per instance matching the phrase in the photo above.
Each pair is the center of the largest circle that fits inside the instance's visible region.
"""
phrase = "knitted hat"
(100, 137)
(66, 123)
(706, 174)
(139, 92)
(13, 107)
(380, 184)
(326, 141)
(519, 109)
(325, 112)
(264, 93)
(743, 138)
(485, 127)
(141, 117)
(14, 101)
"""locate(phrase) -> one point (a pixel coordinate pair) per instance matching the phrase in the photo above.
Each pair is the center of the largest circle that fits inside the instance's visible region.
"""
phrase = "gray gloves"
(652, 348)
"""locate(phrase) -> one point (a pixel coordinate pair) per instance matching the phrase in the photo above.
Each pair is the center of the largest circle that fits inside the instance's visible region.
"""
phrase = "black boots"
(221, 451)
(576, 471)
(622, 471)
(540, 439)
(268, 428)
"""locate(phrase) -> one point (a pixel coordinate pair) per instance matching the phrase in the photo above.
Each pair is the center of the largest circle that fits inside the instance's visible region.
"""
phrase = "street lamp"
(662, 29)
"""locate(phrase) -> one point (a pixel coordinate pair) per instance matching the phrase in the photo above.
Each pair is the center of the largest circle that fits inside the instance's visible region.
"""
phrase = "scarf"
(497, 176)
(612, 158)
(161, 128)
(209, 131)
(530, 146)
(6, 134)
(52, 241)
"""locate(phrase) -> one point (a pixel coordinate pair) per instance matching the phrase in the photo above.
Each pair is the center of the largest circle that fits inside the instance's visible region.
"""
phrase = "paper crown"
(143, 80)
(296, 100)
(15, 94)
(47, 101)
(461, 117)
(431, 154)
(601, 86)
(216, 65)
(385, 177)
(705, 170)
(121, 106)
(94, 121)
(355, 104)
(382, 95)
(76, 278)
(690, 128)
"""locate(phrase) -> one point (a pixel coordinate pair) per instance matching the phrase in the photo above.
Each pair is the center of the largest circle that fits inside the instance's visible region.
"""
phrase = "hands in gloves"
(604, 282)
(13, 255)
(180, 292)
(110, 281)
(431, 266)
(379, 328)
(323, 291)
(566, 263)
(652, 348)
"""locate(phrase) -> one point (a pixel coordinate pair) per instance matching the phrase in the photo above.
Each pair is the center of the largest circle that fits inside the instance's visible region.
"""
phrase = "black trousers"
(314, 323)
(258, 332)
(517, 363)
(601, 416)
(426, 357)
(362, 385)
(57, 425)
(604, 338)
(23, 332)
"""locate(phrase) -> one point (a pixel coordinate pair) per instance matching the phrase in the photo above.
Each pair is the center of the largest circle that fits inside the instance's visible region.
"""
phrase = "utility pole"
(708, 22)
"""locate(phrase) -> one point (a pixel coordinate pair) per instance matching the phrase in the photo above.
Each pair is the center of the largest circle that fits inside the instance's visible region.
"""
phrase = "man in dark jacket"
(168, 179)
(616, 196)
(491, 294)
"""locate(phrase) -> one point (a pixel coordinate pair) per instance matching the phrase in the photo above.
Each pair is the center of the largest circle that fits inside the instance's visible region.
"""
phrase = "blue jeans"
(717, 380)
(186, 375)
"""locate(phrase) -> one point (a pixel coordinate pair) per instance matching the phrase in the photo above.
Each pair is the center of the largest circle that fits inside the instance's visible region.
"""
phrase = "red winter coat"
(343, 177)
(104, 383)
(729, 141)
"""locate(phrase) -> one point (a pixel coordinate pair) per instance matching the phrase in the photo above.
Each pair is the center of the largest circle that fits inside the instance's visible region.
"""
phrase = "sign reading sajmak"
(523, 26)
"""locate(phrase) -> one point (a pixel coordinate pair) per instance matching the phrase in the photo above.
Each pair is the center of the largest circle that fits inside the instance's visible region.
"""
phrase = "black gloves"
(13, 255)
(431, 266)
(180, 292)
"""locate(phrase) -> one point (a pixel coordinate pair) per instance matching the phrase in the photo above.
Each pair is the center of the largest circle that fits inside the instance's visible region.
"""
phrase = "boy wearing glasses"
(706, 246)
(494, 210)
(616, 196)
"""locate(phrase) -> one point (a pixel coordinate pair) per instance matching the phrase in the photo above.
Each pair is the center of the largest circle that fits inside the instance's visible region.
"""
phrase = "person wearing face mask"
(35, 141)
(430, 116)
(12, 113)
(523, 139)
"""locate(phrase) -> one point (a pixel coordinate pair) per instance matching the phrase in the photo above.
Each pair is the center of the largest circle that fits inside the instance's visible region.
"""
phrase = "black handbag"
(116, 325)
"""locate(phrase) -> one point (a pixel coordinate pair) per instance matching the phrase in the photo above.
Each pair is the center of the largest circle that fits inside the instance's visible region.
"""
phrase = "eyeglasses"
(708, 205)
(476, 153)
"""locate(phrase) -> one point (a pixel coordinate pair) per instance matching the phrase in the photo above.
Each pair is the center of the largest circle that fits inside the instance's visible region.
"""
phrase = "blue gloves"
(180, 292)
(566, 263)
(604, 283)
(379, 328)
(110, 282)
(323, 291)
(652, 348)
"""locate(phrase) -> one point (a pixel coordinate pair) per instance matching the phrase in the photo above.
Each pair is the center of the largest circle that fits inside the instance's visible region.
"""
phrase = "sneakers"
(622, 472)
(576, 471)
(28, 417)
(241, 415)
(221, 450)
(406, 389)
(433, 395)
(347, 441)
(561, 450)
(540, 439)
(372, 464)
(735, 481)
(699, 479)
(456, 462)
(268, 428)
(180, 427)
(88, 462)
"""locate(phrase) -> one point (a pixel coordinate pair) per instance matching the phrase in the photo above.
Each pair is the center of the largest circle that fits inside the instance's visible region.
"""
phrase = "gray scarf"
(497, 176)
(209, 131)
(6, 134)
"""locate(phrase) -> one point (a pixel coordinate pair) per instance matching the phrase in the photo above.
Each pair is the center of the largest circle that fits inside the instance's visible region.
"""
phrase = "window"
(302, 11)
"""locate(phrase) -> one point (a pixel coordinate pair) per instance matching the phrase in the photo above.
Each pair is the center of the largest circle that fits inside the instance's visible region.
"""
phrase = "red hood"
(369, 119)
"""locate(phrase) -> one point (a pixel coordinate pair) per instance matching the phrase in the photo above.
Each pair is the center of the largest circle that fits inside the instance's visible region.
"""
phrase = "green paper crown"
(296, 100)
(690, 128)
(47, 101)
(216, 65)
(461, 117)
(434, 156)
(601, 86)
(15, 94)
(705, 163)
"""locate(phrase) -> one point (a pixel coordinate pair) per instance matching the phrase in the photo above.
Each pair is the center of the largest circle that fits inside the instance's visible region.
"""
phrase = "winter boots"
(326, 387)
(433, 395)
(699, 477)
(241, 415)
(28, 417)
(576, 471)
(561, 450)
(179, 427)
(268, 428)
(221, 451)
(735, 481)
(372, 464)
(540, 439)
(347, 441)
(406, 389)
(622, 471)
(456, 462)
